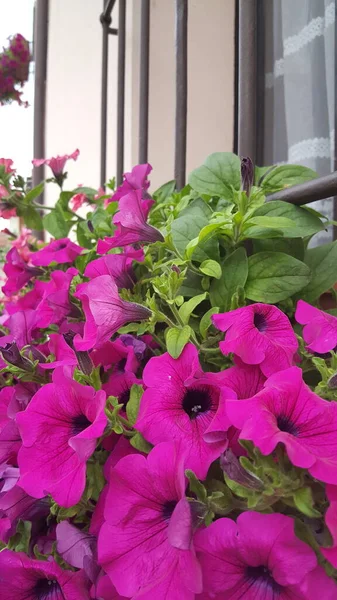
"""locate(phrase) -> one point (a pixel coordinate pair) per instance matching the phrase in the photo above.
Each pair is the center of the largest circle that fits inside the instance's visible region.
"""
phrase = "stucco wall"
(74, 84)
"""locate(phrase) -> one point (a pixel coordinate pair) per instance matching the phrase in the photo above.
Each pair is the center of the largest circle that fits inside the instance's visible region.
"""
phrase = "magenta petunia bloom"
(58, 251)
(22, 327)
(260, 334)
(64, 355)
(331, 522)
(25, 579)
(320, 328)
(136, 180)
(10, 439)
(15, 504)
(55, 305)
(18, 272)
(56, 163)
(181, 403)
(116, 265)
(77, 548)
(105, 311)
(259, 558)
(106, 591)
(286, 411)
(132, 227)
(147, 538)
(59, 431)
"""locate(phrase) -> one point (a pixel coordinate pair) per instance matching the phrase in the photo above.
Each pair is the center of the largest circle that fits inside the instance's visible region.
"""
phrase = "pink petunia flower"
(77, 201)
(59, 431)
(181, 403)
(18, 272)
(136, 180)
(259, 558)
(78, 548)
(320, 328)
(146, 542)
(105, 311)
(286, 411)
(10, 440)
(330, 553)
(16, 505)
(56, 163)
(59, 251)
(260, 334)
(22, 327)
(7, 163)
(24, 578)
(132, 227)
(7, 210)
(116, 265)
(55, 305)
(21, 243)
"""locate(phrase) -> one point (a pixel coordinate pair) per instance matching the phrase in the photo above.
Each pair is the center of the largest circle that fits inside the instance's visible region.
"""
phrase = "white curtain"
(299, 87)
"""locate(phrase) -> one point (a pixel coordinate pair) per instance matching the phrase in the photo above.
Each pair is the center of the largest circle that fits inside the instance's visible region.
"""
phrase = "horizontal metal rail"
(305, 193)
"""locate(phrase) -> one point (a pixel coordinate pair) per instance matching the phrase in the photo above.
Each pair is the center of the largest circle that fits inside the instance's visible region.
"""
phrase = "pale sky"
(16, 122)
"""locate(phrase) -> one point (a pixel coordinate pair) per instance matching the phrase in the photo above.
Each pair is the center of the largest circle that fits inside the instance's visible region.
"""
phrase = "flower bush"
(168, 415)
(14, 70)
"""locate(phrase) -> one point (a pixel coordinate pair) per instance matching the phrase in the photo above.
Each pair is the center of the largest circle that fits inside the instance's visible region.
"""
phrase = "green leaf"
(88, 191)
(165, 191)
(188, 226)
(305, 503)
(56, 224)
(21, 539)
(35, 192)
(176, 340)
(83, 259)
(220, 173)
(274, 276)
(187, 308)
(211, 268)
(292, 246)
(305, 223)
(286, 176)
(64, 198)
(31, 217)
(260, 172)
(269, 222)
(196, 486)
(84, 236)
(138, 442)
(191, 285)
(132, 407)
(234, 275)
(323, 264)
(206, 322)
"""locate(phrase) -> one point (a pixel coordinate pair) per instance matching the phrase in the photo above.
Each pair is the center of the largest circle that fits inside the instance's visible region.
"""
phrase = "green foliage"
(218, 176)
(322, 262)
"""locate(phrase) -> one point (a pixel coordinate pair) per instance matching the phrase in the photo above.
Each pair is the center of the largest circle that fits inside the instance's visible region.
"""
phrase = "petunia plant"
(168, 389)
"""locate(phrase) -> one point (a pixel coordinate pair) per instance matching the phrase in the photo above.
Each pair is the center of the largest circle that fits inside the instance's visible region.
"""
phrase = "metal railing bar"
(305, 193)
(181, 92)
(107, 10)
(113, 30)
(104, 101)
(144, 82)
(247, 78)
(121, 91)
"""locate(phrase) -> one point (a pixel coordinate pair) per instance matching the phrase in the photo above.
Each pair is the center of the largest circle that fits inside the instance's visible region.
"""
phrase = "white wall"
(74, 85)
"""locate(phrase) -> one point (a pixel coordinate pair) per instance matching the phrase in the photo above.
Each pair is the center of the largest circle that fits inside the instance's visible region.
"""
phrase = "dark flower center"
(121, 365)
(79, 423)
(61, 246)
(260, 322)
(124, 398)
(285, 424)
(45, 589)
(168, 509)
(263, 576)
(196, 401)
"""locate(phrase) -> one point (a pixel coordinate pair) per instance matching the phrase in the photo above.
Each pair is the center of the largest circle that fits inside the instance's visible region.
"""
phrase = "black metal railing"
(249, 94)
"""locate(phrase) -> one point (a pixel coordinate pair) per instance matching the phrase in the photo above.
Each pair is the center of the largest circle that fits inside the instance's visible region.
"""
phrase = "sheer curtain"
(299, 87)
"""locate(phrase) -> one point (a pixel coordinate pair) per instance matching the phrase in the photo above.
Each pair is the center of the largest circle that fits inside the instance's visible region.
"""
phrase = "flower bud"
(233, 469)
(247, 174)
(11, 354)
(83, 358)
